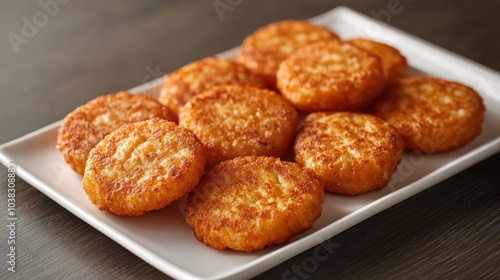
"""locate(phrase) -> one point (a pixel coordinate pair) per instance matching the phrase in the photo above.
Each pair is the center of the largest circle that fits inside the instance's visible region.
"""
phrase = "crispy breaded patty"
(249, 203)
(353, 153)
(263, 50)
(83, 128)
(143, 166)
(198, 76)
(393, 62)
(330, 76)
(432, 115)
(234, 121)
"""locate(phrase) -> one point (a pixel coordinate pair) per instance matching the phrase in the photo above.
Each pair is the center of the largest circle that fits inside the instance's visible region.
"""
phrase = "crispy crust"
(234, 121)
(393, 62)
(143, 166)
(249, 203)
(83, 128)
(198, 76)
(330, 76)
(433, 115)
(353, 153)
(263, 50)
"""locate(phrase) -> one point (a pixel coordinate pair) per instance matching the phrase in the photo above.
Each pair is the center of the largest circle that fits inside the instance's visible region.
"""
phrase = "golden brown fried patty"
(83, 128)
(393, 62)
(353, 153)
(263, 50)
(236, 121)
(143, 166)
(330, 76)
(249, 203)
(432, 115)
(198, 76)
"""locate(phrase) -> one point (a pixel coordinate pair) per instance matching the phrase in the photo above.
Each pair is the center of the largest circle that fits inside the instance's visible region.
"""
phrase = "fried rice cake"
(143, 166)
(263, 50)
(83, 128)
(432, 115)
(330, 76)
(394, 63)
(249, 203)
(234, 121)
(352, 153)
(196, 77)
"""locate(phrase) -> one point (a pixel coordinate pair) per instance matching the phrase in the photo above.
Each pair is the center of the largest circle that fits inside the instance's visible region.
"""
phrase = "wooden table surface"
(82, 49)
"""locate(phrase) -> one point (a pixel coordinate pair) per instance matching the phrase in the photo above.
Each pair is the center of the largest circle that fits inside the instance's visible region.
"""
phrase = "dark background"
(90, 48)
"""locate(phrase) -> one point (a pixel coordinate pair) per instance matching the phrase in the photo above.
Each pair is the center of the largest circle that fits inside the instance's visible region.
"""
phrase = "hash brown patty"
(234, 121)
(83, 128)
(393, 62)
(432, 115)
(143, 166)
(263, 51)
(352, 153)
(330, 76)
(196, 77)
(249, 203)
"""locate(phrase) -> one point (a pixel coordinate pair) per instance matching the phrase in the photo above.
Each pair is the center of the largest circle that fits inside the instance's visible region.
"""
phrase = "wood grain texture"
(90, 48)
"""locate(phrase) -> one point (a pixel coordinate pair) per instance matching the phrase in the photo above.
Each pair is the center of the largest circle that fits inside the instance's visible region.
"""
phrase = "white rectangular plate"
(164, 240)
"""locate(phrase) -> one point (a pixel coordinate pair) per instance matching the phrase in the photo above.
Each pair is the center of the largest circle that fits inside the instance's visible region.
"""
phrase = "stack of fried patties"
(256, 141)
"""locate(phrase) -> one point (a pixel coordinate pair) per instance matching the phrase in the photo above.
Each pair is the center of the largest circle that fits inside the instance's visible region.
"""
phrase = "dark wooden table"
(82, 49)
